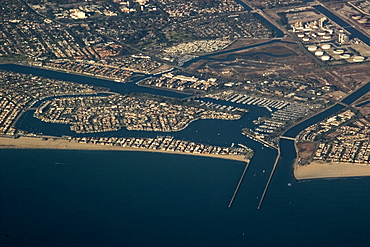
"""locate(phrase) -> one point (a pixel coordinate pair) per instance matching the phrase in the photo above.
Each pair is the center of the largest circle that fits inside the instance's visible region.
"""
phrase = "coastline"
(319, 169)
(56, 143)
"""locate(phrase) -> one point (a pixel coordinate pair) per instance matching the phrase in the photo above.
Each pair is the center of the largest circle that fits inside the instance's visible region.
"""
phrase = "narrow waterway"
(122, 88)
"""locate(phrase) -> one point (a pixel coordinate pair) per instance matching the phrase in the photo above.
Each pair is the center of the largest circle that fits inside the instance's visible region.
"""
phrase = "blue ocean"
(99, 198)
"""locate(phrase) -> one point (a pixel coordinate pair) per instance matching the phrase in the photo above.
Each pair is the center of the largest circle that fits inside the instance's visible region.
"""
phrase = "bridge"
(287, 138)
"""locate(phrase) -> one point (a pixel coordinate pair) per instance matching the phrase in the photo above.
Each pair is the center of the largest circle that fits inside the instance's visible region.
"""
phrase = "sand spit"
(319, 169)
(56, 143)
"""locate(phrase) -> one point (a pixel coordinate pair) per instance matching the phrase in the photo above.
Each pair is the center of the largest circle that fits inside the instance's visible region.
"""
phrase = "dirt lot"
(336, 95)
(277, 60)
(245, 42)
(352, 76)
(306, 149)
(365, 109)
(304, 16)
(282, 60)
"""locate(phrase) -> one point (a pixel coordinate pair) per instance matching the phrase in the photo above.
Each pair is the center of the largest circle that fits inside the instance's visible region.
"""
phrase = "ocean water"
(97, 198)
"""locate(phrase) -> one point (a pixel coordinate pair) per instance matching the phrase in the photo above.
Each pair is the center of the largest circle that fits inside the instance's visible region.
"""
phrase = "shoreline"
(61, 144)
(319, 169)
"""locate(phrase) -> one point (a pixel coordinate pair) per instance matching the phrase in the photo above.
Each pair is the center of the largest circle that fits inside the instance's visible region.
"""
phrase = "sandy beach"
(54, 143)
(330, 170)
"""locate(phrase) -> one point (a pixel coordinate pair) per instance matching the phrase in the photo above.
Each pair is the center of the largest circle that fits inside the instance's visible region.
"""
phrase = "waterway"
(223, 132)
(294, 131)
(123, 88)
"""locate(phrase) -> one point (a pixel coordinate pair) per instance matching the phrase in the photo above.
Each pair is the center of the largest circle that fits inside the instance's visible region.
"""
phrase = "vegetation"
(14, 58)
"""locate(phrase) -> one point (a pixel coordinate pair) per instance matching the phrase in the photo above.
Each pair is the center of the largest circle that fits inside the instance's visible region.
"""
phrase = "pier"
(270, 178)
(239, 183)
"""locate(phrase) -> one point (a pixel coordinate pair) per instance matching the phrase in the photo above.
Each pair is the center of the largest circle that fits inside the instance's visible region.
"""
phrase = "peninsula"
(160, 144)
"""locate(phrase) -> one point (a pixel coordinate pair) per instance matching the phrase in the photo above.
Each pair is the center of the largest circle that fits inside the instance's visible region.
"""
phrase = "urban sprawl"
(225, 56)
